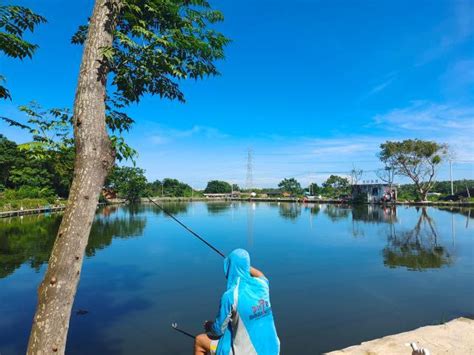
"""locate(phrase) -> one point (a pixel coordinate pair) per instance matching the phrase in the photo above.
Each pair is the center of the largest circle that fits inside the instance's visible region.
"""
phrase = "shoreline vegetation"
(61, 205)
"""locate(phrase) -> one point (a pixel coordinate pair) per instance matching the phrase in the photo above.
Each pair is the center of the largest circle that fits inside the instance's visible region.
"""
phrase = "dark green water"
(338, 276)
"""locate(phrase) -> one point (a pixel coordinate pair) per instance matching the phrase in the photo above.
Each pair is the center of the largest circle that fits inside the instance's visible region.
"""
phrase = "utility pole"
(451, 175)
(249, 181)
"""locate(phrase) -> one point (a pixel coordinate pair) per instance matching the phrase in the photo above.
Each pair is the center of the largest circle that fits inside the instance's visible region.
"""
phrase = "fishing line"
(187, 228)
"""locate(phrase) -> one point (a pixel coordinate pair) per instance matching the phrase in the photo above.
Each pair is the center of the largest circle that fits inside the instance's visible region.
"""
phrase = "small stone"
(55, 348)
(53, 280)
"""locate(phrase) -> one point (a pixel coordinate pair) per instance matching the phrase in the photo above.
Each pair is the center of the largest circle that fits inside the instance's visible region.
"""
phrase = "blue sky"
(313, 87)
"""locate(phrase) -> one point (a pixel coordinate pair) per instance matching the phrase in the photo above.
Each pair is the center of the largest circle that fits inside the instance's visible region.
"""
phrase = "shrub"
(29, 192)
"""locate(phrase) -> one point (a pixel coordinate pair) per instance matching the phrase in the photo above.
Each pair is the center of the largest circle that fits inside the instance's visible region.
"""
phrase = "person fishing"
(244, 323)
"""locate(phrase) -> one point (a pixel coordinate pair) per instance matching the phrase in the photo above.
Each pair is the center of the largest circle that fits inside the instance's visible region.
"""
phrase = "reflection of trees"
(105, 229)
(217, 207)
(374, 213)
(460, 210)
(366, 213)
(173, 207)
(335, 212)
(314, 209)
(289, 210)
(418, 248)
(30, 239)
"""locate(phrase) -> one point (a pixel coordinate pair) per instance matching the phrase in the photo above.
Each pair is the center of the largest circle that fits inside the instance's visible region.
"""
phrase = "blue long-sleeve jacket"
(245, 322)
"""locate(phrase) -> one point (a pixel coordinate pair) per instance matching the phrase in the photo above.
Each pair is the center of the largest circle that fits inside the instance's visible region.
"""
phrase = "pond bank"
(300, 200)
(47, 209)
(454, 337)
(24, 212)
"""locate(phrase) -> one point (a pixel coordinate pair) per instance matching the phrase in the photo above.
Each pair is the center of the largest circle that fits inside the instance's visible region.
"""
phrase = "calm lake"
(338, 275)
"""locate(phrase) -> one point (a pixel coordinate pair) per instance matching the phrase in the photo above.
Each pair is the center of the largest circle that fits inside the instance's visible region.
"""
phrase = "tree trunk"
(94, 158)
(423, 195)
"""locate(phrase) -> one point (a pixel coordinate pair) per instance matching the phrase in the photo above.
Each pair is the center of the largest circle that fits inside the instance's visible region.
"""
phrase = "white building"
(374, 192)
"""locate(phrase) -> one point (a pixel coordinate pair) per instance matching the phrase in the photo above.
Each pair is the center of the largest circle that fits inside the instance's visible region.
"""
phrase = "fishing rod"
(175, 327)
(187, 228)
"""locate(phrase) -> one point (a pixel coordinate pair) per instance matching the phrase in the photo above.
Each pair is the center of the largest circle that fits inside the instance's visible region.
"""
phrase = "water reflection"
(337, 212)
(26, 240)
(374, 214)
(135, 289)
(218, 207)
(418, 248)
(31, 238)
(175, 208)
(290, 210)
(119, 226)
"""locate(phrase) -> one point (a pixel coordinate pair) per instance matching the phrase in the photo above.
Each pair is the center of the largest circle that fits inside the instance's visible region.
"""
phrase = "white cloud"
(159, 139)
(314, 159)
(446, 123)
(422, 117)
(167, 135)
(387, 80)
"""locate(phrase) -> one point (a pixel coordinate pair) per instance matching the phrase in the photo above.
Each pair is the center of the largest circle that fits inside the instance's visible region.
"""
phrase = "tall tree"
(51, 149)
(314, 189)
(336, 185)
(291, 186)
(416, 159)
(218, 187)
(9, 155)
(129, 182)
(14, 22)
(144, 46)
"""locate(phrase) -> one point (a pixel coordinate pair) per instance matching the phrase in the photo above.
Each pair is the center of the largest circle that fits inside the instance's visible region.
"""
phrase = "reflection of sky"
(329, 288)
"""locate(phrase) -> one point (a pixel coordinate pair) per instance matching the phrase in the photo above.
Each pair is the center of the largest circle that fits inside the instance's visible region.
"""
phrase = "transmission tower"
(249, 182)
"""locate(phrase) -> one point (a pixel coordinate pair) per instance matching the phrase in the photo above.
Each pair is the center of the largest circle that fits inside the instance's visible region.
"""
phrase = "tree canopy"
(291, 186)
(416, 159)
(46, 161)
(336, 185)
(15, 21)
(170, 188)
(155, 45)
(218, 187)
(129, 182)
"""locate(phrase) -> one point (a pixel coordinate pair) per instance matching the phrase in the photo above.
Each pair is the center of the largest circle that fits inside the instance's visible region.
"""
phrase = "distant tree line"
(32, 173)
(43, 168)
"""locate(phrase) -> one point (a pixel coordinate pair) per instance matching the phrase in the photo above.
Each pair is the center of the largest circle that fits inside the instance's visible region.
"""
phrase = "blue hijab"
(237, 266)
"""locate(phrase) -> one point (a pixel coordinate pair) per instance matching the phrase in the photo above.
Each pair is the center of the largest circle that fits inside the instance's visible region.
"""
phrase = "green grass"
(26, 203)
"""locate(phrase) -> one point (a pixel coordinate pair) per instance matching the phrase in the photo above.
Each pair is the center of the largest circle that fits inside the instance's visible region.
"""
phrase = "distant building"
(109, 194)
(374, 192)
(272, 192)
